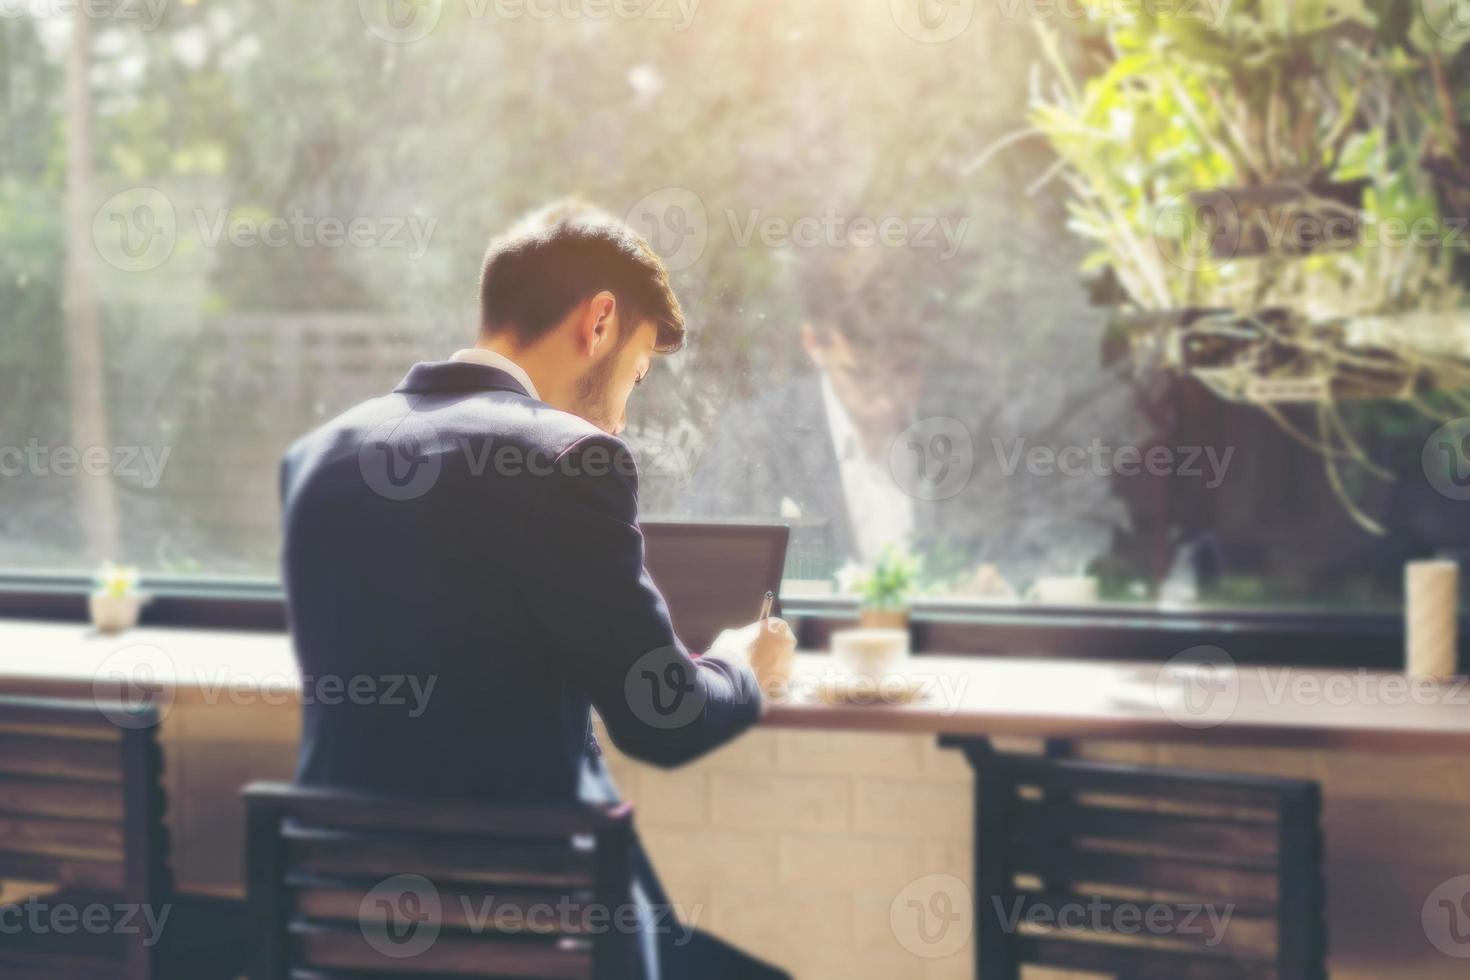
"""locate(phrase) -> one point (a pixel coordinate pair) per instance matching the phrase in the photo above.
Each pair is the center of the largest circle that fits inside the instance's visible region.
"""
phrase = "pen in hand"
(773, 654)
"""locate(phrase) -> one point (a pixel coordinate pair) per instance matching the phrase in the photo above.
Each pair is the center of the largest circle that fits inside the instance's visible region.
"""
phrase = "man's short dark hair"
(873, 296)
(563, 255)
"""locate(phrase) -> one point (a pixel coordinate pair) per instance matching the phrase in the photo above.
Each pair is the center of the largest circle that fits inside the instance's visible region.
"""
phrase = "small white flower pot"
(115, 613)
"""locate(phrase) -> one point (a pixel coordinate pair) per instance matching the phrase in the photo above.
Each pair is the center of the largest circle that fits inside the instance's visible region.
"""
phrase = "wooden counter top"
(970, 695)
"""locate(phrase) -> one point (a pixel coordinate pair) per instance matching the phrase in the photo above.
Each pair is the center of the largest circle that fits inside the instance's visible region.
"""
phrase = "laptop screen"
(714, 576)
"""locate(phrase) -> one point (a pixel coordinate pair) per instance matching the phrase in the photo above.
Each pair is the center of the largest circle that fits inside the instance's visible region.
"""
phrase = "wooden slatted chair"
(1106, 843)
(345, 884)
(83, 848)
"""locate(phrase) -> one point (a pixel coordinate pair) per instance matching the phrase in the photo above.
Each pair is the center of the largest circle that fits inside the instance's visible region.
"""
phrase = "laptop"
(714, 576)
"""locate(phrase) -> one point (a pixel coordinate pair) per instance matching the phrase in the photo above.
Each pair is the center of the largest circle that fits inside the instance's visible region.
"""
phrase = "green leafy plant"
(890, 583)
(117, 581)
(1293, 103)
(1203, 146)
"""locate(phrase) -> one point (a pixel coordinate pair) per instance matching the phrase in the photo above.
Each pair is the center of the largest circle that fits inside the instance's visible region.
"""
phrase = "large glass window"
(223, 222)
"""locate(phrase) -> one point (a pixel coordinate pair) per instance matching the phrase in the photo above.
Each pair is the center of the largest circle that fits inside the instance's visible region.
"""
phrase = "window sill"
(1108, 631)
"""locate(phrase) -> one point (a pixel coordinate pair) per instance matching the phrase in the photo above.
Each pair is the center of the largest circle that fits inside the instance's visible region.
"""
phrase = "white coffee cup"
(872, 653)
(1064, 590)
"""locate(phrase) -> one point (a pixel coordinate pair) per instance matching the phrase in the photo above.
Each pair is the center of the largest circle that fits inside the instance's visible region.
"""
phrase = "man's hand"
(767, 647)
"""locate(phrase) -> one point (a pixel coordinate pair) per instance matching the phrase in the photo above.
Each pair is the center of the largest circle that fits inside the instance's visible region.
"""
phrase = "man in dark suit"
(478, 529)
(895, 436)
(817, 451)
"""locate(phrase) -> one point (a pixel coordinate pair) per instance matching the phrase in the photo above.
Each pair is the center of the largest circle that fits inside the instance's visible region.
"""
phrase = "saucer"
(894, 689)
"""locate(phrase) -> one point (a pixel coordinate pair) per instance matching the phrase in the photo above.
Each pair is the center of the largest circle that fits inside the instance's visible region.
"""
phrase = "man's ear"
(599, 323)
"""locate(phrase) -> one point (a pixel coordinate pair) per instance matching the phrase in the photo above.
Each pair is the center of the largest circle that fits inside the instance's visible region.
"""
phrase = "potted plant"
(1239, 179)
(886, 588)
(116, 602)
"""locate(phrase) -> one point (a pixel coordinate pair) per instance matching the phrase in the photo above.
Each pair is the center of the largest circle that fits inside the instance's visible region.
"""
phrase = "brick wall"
(795, 845)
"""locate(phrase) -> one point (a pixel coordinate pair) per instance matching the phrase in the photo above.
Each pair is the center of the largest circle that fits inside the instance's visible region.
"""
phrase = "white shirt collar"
(879, 511)
(489, 358)
(839, 423)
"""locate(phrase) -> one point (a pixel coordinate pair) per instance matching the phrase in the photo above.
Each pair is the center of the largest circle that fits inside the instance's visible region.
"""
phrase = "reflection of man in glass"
(818, 452)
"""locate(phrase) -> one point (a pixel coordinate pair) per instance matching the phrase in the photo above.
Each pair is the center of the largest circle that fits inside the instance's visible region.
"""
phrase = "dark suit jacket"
(459, 530)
